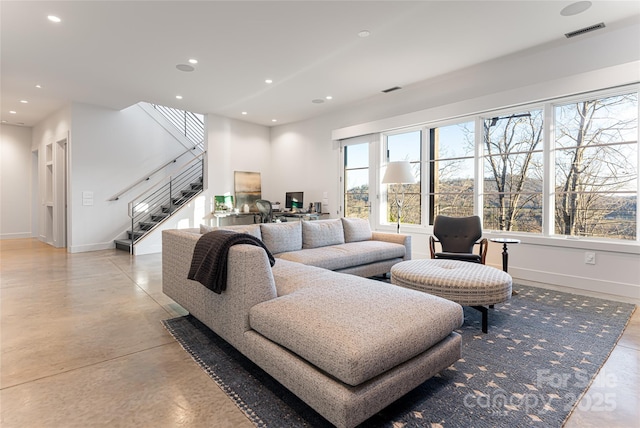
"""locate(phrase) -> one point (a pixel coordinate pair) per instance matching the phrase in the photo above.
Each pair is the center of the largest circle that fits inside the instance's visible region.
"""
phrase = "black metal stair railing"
(155, 205)
(190, 124)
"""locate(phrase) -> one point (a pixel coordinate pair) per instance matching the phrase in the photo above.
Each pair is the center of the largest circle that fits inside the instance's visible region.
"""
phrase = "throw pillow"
(321, 233)
(206, 229)
(282, 237)
(251, 229)
(356, 229)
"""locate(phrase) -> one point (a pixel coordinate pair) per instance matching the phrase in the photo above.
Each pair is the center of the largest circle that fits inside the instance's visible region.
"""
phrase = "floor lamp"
(398, 173)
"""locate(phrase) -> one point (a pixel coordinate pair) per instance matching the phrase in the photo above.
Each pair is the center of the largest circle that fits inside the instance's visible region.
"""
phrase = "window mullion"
(478, 191)
(549, 172)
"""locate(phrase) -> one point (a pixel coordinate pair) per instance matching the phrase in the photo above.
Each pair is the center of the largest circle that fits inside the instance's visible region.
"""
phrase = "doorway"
(60, 194)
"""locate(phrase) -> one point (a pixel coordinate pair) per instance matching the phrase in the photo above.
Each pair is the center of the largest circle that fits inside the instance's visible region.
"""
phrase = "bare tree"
(594, 161)
(511, 145)
(452, 181)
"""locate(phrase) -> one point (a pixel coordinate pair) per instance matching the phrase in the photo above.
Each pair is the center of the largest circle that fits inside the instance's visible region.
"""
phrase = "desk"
(231, 218)
(297, 216)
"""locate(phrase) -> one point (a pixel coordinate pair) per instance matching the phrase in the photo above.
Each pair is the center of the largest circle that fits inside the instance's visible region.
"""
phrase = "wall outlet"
(590, 258)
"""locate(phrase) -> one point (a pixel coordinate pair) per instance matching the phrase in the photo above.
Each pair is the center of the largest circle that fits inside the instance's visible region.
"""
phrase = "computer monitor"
(294, 200)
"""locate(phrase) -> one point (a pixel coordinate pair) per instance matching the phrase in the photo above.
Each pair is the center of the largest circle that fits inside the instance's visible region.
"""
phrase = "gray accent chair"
(457, 237)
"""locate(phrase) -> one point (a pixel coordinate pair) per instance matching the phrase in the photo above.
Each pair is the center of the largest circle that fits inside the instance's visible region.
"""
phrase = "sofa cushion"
(342, 256)
(282, 237)
(356, 229)
(370, 328)
(251, 229)
(321, 233)
(291, 276)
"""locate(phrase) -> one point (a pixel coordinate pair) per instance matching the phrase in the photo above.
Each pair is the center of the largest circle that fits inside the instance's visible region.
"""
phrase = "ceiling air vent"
(395, 88)
(584, 30)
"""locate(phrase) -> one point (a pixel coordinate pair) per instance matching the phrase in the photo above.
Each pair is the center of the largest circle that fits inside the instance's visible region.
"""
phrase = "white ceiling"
(117, 53)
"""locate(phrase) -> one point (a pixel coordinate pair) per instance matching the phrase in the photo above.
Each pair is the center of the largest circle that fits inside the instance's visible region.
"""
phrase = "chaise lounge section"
(348, 346)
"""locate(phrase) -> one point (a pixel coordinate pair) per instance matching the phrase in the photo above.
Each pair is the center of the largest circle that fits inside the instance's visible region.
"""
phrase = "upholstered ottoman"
(468, 284)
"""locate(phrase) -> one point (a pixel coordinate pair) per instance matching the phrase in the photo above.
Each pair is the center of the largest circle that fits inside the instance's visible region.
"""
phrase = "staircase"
(155, 205)
(162, 201)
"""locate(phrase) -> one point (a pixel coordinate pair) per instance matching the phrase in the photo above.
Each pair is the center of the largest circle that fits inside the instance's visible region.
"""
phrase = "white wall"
(15, 182)
(304, 160)
(108, 150)
(232, 145)
(52, 129)
(582, 64)
(235, 145)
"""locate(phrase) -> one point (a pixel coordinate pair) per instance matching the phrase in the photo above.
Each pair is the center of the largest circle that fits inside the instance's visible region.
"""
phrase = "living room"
(305, 155)
(308, 154)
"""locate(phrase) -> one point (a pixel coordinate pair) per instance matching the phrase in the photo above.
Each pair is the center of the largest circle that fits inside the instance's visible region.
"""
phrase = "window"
(405, 147)
(451, 170)
(596, 167)
(513, 172)
(356, 180)
(568, 167)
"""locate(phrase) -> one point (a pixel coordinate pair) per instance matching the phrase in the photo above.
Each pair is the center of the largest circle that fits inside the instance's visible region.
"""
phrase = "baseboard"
(529, 276)
(140, 250)
(20, 235)
(92, 247)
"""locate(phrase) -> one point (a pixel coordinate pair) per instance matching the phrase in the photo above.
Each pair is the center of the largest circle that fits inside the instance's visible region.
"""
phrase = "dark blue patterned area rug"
(541, 353)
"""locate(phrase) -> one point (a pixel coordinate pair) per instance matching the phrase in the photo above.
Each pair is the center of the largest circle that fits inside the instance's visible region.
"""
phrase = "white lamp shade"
(398, 172)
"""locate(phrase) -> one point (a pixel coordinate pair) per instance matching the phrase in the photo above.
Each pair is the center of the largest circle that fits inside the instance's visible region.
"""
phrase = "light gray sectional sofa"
(344, 245)
(348, 346)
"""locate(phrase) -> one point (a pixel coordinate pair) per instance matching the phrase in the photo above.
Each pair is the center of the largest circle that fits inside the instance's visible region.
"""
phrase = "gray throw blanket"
(209, 260)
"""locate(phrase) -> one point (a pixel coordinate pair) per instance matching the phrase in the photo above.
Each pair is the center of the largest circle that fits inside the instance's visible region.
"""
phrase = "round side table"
(505, 253)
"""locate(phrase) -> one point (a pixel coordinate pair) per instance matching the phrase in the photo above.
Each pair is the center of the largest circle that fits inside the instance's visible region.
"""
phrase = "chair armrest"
(396, 238)
(484, 246)
(432, 246)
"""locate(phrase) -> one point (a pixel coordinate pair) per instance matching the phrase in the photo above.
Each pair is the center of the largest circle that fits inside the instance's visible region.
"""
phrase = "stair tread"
(161, 215)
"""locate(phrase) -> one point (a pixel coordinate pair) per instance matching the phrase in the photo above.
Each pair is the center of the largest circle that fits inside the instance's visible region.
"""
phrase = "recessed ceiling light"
(364, 33)
(244, 113)
(185, 67)
(54, 18)
(575, 8)
(193, 61)
(39, 86)
(178, 97)
(12, 112)
(268, 81)
(274, 120)
(24, 101)
(329, 97)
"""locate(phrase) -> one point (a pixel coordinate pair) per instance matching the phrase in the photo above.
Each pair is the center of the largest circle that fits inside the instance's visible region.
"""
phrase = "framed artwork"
(248, 189)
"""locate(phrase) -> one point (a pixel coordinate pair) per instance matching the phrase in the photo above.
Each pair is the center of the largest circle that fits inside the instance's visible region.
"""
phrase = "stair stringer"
(191, 214)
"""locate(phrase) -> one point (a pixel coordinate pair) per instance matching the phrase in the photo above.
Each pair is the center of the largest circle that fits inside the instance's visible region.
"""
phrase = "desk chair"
(458, 236)
(265, 209)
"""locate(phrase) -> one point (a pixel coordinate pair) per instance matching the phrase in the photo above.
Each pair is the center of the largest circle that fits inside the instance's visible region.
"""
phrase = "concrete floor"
(82, 346)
